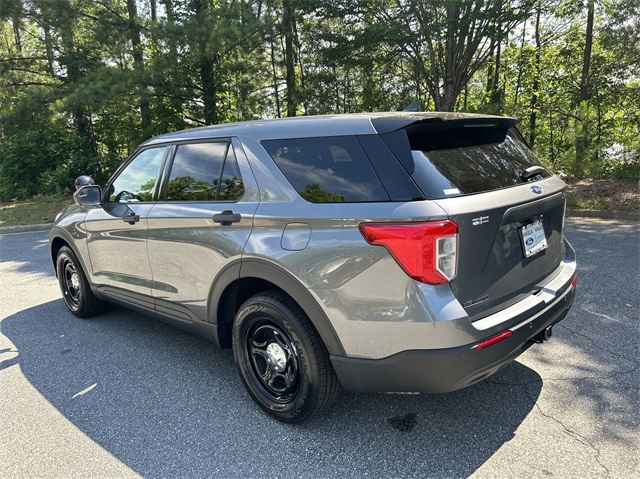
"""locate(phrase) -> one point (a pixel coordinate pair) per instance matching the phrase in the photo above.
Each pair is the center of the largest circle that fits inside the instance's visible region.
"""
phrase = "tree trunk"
(207, 62)
(535, 88)
(298, 57)
(168, 10)
(274, 73)
(449, 96)
(48, 45)
(154, 8)
(586, 64)
(289, 56)
(495, 87)
(209, 89)
(16, 21)
(581, 132)
(171, 41)
(492, 48)
(520, 65)
(138, 62)
(551, 147)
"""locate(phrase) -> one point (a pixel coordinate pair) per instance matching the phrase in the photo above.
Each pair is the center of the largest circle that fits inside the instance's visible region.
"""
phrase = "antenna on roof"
(413, 106)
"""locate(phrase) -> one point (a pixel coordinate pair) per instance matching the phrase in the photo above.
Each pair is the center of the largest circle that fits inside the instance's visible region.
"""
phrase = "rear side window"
(466, 160)
(231, 186)
(327, 169)
(204, 172)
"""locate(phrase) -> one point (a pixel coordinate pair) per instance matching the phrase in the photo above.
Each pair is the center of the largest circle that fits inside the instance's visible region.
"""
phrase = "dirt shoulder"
(607, 195)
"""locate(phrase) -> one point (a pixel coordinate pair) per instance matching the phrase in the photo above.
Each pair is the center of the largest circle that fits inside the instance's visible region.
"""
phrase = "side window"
(204, 172)
(231, 186)
(327, 169)
(136, 182)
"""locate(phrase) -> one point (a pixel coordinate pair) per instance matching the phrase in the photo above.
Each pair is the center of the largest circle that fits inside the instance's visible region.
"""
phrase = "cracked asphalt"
(123, 395)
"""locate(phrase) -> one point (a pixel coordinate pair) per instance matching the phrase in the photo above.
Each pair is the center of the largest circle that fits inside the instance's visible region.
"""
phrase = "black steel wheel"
(74, 286)
(284, 365)
(274, 360)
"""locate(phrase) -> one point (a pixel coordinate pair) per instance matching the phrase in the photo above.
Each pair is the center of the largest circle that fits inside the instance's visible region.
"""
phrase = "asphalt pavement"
(123, 395)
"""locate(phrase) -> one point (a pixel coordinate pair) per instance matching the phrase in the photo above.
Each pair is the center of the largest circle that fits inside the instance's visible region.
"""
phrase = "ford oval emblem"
(537, 190)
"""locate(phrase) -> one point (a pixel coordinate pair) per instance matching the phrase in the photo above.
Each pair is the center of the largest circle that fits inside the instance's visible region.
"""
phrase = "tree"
(447, 42)
(82, 83)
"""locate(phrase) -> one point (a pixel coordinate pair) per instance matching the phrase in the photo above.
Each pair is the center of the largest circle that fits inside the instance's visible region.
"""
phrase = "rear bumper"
(444, 370)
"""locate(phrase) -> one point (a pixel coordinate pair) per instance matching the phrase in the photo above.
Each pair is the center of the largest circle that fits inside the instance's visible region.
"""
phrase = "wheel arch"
(56, 245)
(245, 278)
(59, 238)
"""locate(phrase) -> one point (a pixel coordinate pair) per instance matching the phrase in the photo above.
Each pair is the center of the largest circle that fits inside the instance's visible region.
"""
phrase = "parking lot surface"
(123, 395)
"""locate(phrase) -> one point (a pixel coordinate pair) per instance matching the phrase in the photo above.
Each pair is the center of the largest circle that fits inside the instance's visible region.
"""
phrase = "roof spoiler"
(387, 125)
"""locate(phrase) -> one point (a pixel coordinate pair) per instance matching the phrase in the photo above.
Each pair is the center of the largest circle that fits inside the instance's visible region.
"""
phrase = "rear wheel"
(74, 286)
(282, 361)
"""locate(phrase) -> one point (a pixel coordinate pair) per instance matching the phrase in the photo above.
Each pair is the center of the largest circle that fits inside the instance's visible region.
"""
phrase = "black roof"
(323, 125)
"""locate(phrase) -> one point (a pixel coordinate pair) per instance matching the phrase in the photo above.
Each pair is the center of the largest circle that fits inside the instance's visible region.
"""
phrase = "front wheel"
(284, 365)
(74, 286)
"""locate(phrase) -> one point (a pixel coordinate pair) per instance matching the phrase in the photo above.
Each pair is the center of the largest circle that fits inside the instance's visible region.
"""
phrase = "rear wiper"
(531, 172)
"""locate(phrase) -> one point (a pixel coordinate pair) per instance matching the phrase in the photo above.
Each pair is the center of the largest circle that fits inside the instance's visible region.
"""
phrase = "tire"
(282, 361)
(74, 286)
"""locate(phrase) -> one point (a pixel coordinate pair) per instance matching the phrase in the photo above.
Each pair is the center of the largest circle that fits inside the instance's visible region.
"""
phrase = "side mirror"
(90, 195)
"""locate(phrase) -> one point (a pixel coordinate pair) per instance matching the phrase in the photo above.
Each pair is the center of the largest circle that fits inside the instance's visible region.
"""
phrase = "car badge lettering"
(480, 220)
(537, 190)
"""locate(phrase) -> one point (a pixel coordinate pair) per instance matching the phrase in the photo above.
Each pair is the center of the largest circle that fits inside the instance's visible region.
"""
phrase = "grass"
(38, 210)
(599, 203)
(594, 203)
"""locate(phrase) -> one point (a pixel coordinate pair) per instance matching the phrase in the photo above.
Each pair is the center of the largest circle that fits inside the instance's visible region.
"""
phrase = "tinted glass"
(195, 173)
(460, 161)
(327, 169)
(231, 186)
(136, 182)
(395, 179)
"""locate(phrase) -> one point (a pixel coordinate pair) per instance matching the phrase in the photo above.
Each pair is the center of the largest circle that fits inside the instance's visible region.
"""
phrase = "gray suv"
(406, 252)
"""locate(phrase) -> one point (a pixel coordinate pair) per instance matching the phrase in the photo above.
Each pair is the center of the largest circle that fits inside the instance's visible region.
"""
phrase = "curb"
(5, 230)
(605, 215)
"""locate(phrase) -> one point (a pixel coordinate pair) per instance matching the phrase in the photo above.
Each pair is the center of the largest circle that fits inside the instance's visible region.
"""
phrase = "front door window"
(136, 183)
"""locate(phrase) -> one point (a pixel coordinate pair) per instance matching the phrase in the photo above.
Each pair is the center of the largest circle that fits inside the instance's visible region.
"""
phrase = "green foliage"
(34, 142)
(83, 83)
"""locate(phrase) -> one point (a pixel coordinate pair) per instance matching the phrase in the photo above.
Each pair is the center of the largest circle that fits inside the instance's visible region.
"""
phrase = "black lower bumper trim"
(444, 370)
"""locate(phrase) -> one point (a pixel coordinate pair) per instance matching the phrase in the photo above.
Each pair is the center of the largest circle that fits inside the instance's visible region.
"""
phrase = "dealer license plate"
(533, 238)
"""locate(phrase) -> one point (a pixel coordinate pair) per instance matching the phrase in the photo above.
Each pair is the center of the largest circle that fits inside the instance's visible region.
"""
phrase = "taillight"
(426, 251)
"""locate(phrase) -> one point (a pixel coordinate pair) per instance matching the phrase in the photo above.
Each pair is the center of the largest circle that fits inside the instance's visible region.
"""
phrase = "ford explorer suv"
(397, 252)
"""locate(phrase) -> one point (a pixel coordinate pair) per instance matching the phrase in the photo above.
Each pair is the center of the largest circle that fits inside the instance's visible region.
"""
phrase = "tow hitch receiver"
(543, 335)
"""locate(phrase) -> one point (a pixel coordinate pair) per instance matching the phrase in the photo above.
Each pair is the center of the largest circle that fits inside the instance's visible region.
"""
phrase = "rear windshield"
(327, 169)
(466, 160)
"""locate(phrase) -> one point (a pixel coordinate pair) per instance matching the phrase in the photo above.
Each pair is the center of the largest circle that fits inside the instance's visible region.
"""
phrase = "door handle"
(131, 218)
(226, 218)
